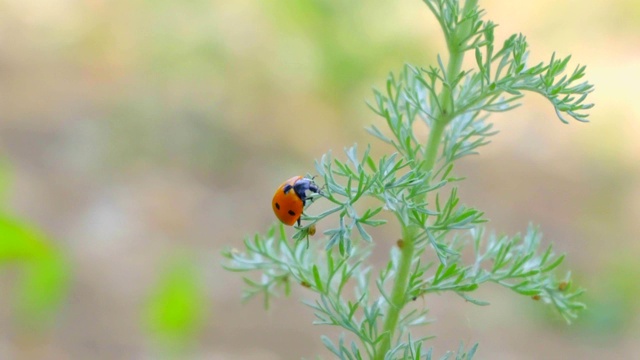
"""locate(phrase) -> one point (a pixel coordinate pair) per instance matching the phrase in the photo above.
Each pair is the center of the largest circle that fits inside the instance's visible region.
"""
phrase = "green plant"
(44, 270)
(416, 185)
(175, 311)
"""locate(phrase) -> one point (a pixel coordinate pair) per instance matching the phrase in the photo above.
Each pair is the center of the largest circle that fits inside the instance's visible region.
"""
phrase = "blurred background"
(138, 138)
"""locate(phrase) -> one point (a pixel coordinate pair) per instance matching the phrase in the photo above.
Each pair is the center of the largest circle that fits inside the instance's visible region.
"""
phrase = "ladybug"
(290, 199)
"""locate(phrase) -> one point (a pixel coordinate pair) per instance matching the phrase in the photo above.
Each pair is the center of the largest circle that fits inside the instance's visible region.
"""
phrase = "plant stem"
(456, 44)
(398, 295)
(433, 143)
(399, 292)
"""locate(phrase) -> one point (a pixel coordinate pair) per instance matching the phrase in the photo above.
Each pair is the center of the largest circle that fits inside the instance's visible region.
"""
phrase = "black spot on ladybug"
(277, 206)
(291, 213)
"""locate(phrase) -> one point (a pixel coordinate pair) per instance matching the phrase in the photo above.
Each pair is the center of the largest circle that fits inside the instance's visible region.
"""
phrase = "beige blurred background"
(135, 130)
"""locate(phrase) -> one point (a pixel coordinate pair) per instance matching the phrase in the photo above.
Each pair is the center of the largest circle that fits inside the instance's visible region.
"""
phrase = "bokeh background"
(138, 138)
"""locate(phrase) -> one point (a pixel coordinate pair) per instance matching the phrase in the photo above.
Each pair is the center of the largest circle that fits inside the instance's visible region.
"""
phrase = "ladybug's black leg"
(287, 188)
(298, 222)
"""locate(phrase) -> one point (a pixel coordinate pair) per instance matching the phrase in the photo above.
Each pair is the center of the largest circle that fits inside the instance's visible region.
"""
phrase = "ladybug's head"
(303, 185)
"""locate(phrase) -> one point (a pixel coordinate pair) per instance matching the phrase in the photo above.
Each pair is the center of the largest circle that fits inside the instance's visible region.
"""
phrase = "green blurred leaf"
(45, 278)
(42, 290)
(20, 241)
(176, 310)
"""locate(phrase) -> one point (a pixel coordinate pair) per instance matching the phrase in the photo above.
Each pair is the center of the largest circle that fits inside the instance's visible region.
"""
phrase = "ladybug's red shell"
(289, 200)
(287, 206)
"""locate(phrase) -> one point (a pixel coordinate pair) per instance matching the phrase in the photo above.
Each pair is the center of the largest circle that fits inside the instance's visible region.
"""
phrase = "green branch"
(399, 291)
